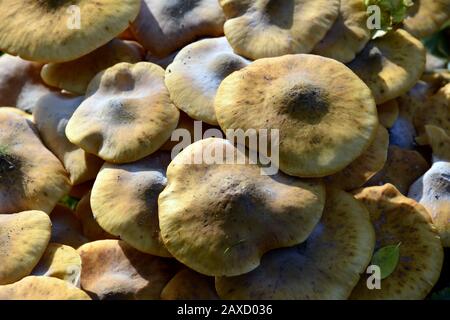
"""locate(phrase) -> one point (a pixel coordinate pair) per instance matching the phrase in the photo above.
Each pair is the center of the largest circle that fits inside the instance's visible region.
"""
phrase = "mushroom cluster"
(223, 149)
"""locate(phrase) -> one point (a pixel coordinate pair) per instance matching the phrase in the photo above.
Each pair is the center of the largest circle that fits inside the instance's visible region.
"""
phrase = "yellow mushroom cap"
(432, 191)
(31, 177)
(435, 111)
(19, 112)
(48, 31)
(89, 225)
(366, 166)
(60, 261)
(41, 288)
(439, 140)
(21, 85)
(51, 115)
(66, 228)
(348, 35)
(114, 270)
(390, 65)
(326, 266)
(402, 168)
(219, 219)
(266, 28)
(74, 76)
(165, 26)
(388, 113)
(426, 17)
(196, 73)
(124, 201)
(189, 285)
(23, 239)
(325, 114)
(400, 220)
(127, 113)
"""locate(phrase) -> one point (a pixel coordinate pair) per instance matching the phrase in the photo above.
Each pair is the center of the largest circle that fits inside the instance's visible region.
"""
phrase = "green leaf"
(387, 259)
(393, 12)
(69, 202)
(444, 294)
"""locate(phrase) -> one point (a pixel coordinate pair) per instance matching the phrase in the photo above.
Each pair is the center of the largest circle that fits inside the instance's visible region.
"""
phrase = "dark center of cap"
(281, 13)
(51, 5)
(9, 168)
(306, 103)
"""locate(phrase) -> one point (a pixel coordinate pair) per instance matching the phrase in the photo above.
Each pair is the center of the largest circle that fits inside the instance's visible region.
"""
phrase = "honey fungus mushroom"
(348, 35)
(189, 285)
(326, 266)
(219, 219)
(23, 239)
(89, 225)
(31, 177)
(426, 17)
(20, 83)
(56, 31)
(124, 201)
(325, 114)
(114, 270)
(51, 116)
(270, 28)
(196, 73)
(162, 27)
(41, 288)
(127, 113)
(74, 76)
(60, 261)
(402, 168)
(390, 65)
(366, 166)
(401, 221)
(388, 113)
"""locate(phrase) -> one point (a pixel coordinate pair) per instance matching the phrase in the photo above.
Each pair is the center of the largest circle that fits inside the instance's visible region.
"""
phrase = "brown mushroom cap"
(124, 201)
(269, 28)
(162, 62)
(165, 26)
(325, 114)
(23, 239)
(398, 219)
(31, 177)
(127, 113)
(44, 30)
(237, 213)
(189, 285)
(41, 288)
(348, 35)
(426, 17)
(196, 73)
(402, 168)
(89, 225)
(432, 191)
(74, 76)
(60, 261)
(66, 228)
(326, 266)
(114, 270)
(390, 65)
(51, 115)
(388, 113)
(366, 166)
(21, 85)
(436, 111)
